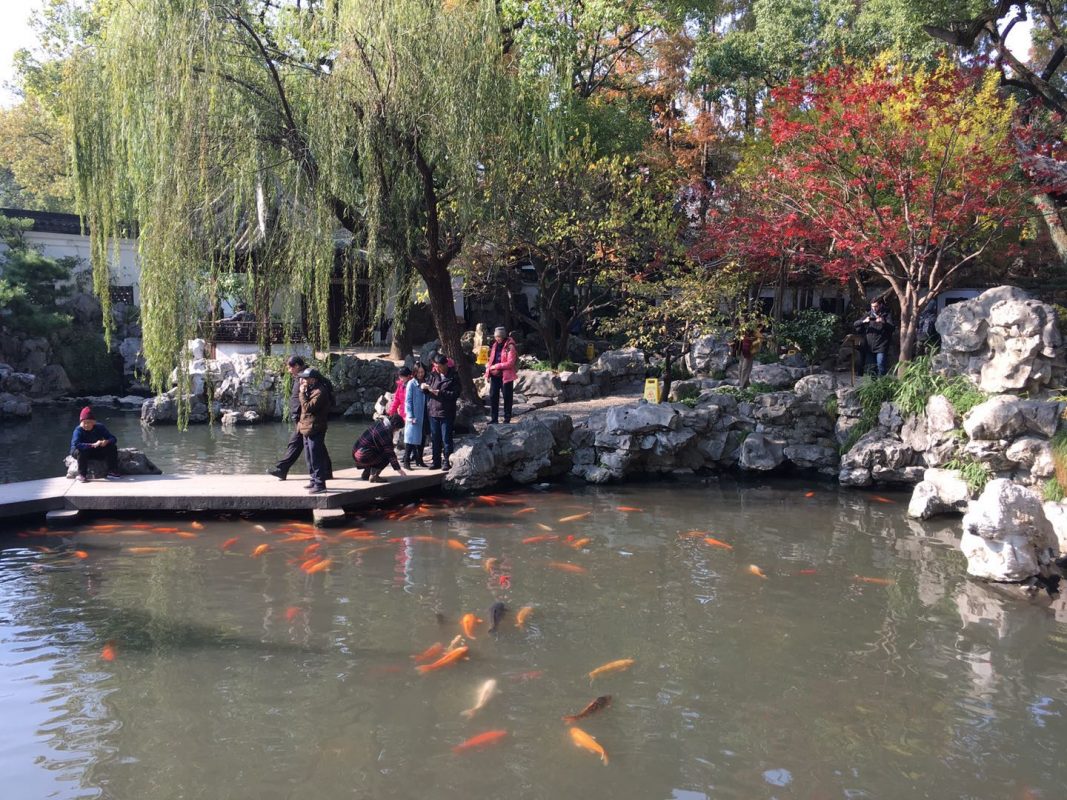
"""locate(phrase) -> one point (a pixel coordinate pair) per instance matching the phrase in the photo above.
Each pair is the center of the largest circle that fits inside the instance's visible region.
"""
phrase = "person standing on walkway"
(415, 418)
(315, 401)
(503, 358)
(442, 391)
(744, 346)
(877, 329)
(374, 449)
(295, 365)
(90, 441)
(396, 405)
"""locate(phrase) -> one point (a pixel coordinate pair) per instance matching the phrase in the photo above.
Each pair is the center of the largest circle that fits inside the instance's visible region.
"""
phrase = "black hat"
(311, 372)
(440, 359)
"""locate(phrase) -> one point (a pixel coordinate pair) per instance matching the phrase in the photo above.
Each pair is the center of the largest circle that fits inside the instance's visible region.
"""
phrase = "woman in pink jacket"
(501, 369)
(397, 404)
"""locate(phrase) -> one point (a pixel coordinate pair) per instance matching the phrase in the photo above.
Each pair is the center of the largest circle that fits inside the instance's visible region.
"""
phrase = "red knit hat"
(87, 413)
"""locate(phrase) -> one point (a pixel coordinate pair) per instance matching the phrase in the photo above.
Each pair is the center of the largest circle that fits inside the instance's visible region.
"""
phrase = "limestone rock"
(13, 406)
(817, 388)
(643, 418)
(878, 457)
(1007, 536)
(776, 376)
(525, 452)
(534, 383)
(761, 453)
(163, 410)
(1006, 416)
(708, 355)
(230, 418)
(131, 462)
(941, 491)
(51, 381)
(620, 366)
(1056, 513)
(17, 382)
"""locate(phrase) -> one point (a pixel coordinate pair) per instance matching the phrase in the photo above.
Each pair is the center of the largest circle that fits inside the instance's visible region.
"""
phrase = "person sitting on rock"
(374, 449)
(92, 441)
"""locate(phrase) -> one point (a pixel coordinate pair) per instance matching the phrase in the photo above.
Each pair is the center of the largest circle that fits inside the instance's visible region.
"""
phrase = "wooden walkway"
(207, 493)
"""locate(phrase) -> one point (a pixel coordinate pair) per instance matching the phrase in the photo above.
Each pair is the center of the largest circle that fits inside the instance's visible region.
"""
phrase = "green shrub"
(766, 356)
(830, 406)
(546, 366)
(1052, 491)
(975, 473)
(87, 362)
(688, 392)
(918, 383)
(813, 332)
(871, 393)
(1059, 455)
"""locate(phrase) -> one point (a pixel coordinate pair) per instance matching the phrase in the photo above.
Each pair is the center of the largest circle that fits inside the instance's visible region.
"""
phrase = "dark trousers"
(496, 383)
(108, 453)
(875, 363)
(370, 459)
(293, 449)
(441, 438)
(318, 460)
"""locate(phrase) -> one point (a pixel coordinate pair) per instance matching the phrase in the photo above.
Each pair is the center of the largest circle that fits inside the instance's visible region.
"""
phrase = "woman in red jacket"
(501, 369)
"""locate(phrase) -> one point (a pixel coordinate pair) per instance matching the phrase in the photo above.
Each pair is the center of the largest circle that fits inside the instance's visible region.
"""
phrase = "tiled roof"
(47, 221)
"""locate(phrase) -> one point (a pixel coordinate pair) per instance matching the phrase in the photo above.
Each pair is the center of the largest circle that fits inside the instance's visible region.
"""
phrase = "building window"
(122, 294)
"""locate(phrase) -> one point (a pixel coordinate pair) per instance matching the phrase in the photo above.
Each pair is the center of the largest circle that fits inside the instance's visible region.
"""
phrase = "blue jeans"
(877, 363)
(441, 437)
(317, 458)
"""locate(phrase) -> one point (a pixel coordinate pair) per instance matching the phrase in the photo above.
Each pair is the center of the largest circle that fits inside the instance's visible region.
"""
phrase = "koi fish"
(80, 554)
(522, 616)
(228, 543)
(355, 533)
(629, 509)
(196, 526)
(754, 570)
(529, 510)
(481, 740)
(319, 566)
(108, 651)
(429, 654)
(292, 613)
(260, 528)
(806, 572)
(456, 544)
(574, 517)
(187, 534)
(311, 549)
(457, 642)
(165, 530)
(596, 705)
(543, 527)
(539, 539)
(485, 694)
(446, 660)
(467, 622)
(693, 535)
(875, 581)
(611, 666)
(260, 550)
(563, 566)
(103, 527)
(488, 499)
(716, 543)
(496, 613)
(578, 544)
(809, 494)
(532, 675)
(490, 564)
(298, 537)
(880, 499)
(586, 742)
(143, 551)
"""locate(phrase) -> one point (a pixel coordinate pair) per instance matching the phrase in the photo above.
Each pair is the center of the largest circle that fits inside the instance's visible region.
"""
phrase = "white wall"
(125, 270)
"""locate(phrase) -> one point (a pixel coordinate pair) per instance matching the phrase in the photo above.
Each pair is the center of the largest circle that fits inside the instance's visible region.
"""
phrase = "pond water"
(36, 447)
(161, 664)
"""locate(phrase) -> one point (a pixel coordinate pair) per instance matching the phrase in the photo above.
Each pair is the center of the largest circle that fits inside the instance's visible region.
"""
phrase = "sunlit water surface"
(241, 677)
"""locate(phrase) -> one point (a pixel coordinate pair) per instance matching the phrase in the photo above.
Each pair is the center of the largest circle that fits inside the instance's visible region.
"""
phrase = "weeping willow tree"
(209, 122)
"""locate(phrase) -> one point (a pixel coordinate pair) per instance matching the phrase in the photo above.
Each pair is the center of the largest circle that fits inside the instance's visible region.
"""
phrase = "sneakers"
(277, 473)
(317, 490)
(83, 479)
(435, 465)
(377, 478)
(447, 464)
(309, 486)
(114, 474)
(365, 475)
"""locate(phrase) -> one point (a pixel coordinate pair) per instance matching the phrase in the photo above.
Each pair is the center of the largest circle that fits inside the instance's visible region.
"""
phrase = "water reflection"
(238, 677)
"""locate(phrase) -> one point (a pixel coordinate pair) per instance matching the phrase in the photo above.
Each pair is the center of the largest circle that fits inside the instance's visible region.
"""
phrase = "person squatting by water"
(503, 358)
(374, 449)
(442, 391)
(315, 402)
(415, 426)
(295, 365)
(877, 329)
(91, 440)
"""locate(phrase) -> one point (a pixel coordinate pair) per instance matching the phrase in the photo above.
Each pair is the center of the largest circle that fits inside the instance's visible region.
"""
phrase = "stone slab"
(326, 517)
(33, 497)
(61, 518)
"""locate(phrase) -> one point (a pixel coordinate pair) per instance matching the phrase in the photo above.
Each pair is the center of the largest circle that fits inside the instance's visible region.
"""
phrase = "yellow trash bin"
(590, 352)
(653, 390)
(483, 355)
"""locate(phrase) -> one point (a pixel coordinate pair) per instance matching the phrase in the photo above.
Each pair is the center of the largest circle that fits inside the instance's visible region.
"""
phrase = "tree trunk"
(1046, 206)
(668, 369)
(909, 322)
(400, 346)
(439, 287)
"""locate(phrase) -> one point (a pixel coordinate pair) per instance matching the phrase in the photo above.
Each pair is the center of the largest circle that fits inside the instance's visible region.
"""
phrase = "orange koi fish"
(319, 566)
(807, 572)
(809, 494)
(141, 551)
(309, 563)
(298, 537)
(578, 544)
(490, 564)
(429, 654)
(291, 613)
(574, 517)
(80, 554)
(880, 499)
(488, 499)
(629, 509)
(586, 742)
(528, 510)
(103, 527)
(467, 622)
(165, 530)
(456, 544)
(717, 543)
(611, 666)
(108, 652)
(457, 642)
(228, 543)
(481, 740)
(522, 616)
(596, 705)
(356, 533)
(187, 534)
(875, 581)
(563, 566)
(142, 526)
(311, 549)
(260, 550)
(693, 535)
(196, 526)
(545, 537)
(447, 659)
(754, 570)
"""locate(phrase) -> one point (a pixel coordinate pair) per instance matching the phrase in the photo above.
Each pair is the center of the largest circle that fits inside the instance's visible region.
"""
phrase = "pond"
(819, 646)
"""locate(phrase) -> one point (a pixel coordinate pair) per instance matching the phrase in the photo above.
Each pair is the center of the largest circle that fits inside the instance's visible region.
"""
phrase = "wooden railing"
(250, 332)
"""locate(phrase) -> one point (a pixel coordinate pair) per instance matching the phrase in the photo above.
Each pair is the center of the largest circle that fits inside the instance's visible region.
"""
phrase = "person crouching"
(374, 449)
(91, 440)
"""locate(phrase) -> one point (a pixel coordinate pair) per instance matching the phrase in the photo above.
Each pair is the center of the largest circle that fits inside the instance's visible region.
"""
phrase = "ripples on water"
(237, 677)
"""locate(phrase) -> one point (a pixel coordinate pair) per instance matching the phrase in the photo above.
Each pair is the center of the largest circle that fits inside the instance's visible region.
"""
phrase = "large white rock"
(941, 491)
(1007, 416)
(1006, 535)
(817, 388)
(761, 453)
(1057, 516)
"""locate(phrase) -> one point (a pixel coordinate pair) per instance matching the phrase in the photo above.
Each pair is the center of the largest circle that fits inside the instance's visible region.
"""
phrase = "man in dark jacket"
(295, 365)
(315, 404)
(91, 440)
(877, 329)
(442, 391)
